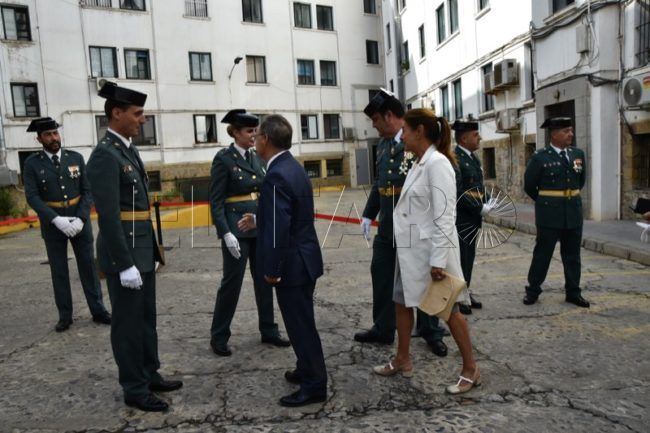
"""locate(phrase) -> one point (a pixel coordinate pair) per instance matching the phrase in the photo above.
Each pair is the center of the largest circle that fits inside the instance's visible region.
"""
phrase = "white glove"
(486, 209)
(131, 278)
(645, 236)
(64, 225)
(77, 224)
(232, 244)
(365, 227)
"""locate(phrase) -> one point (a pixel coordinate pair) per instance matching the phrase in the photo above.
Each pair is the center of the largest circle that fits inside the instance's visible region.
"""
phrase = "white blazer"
(424, 221)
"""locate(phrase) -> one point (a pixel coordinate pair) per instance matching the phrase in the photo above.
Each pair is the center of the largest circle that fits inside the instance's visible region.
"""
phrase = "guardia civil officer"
(387, 115)
(235, 181)
(127, 249)
(472, 203)
(56, 187)
(553, 179)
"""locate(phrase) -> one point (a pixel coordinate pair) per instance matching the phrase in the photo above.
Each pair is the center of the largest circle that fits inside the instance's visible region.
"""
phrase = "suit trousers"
(382, 271)
(57, 255)
(230, 288)
(297, 308)
(545, 241)
(133, 333)
(467, 256)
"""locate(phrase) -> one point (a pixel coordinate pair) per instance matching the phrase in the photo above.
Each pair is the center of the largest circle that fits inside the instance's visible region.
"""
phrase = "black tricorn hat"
(42, 124)
(465, 126)
(113, 92)
(382, 102)
(240, 117)
(557, 123)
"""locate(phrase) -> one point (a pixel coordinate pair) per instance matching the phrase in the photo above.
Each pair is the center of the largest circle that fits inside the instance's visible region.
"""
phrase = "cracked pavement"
(547, 367)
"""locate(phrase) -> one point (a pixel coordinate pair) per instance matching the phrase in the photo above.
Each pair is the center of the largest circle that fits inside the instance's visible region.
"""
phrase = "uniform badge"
(407, 163)
(74, 171)
(577, 165)
(127, 168)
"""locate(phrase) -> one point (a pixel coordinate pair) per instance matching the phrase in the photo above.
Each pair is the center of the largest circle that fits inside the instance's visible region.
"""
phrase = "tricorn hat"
(557, 123)
(382, 102)
(42, 124)
(240, 117)
(465, 126)
(113, 92)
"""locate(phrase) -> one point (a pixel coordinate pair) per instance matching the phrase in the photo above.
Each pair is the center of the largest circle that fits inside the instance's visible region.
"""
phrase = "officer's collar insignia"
(74, 171)
(127, 168)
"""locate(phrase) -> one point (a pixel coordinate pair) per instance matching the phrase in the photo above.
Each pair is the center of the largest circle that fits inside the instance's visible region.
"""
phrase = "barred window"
(643, 30)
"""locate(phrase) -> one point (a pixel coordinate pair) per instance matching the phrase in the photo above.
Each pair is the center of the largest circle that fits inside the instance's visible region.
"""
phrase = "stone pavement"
(548, 367)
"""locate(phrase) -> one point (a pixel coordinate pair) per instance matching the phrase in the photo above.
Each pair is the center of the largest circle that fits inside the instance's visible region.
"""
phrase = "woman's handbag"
(440, 297)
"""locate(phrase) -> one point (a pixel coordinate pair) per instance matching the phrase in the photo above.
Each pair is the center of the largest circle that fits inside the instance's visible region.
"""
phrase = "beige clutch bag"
(441, 296)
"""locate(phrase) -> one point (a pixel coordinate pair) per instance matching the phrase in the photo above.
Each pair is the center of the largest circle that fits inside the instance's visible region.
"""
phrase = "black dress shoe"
(220, 349)
(166, 385)
(147, 403)
(578, 300)
(292, 377)
(104, 318)
(465, 309)
(63, 325)
(475, 302)
(298, 398)
(438, 347)
(530, 299)
(276, 341)
(372, 336)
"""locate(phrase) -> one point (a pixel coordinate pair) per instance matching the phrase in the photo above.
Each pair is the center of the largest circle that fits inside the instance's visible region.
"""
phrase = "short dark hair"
(278, 130)
(110, 104)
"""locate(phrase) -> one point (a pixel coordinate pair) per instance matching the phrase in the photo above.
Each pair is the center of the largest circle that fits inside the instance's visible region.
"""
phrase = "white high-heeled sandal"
(458, 389)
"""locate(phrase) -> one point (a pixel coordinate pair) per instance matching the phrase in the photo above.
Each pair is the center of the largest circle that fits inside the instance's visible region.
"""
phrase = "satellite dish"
(632, 92)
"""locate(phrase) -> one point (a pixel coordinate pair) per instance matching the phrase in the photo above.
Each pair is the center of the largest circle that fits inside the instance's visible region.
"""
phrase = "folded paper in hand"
(440, 297)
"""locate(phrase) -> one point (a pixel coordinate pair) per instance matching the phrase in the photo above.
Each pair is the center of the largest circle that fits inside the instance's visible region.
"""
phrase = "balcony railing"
(97, 3)
(196, 8)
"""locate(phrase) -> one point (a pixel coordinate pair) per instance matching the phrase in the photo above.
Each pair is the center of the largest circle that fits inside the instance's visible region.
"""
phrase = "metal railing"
(97, 3)
(196, 8)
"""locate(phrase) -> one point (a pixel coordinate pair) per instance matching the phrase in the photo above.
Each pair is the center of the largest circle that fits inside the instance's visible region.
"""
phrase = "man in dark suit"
(289, 256)
(127, 249)
(56, 187)
(553, 179)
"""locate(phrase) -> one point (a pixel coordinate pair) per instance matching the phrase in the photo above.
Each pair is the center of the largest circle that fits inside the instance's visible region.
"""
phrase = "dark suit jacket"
(469, 178)
(287, 245)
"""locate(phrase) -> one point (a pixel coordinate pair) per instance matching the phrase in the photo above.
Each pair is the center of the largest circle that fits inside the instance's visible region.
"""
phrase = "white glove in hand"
(365, 227)
(486, 209)
(232, 244)
(64, 225)
(131, 278)
(77, 224)
(645, 236)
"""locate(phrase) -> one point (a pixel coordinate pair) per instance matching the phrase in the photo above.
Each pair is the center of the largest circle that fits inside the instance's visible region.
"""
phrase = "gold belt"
(138, 215)
(390, 190)
(244, 197)
(475, 194)
(64, 203)
(560, 193)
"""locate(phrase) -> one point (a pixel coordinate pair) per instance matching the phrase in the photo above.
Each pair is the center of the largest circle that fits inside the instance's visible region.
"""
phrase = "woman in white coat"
(424, 222)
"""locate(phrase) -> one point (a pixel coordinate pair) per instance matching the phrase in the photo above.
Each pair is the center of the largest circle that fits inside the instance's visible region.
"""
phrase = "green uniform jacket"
(546, 171)
(118, 183)
(44, 182)
(389, 160)
(470, 177)
(231, 175)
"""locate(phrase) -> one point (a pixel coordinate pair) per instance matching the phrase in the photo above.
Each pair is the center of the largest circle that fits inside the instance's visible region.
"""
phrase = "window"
(324, 20)
(98, 3)
(405, 56)
(256, 69)
(334, 167)
(488, 100)
(331, 125)
(302, 15)
(489, 163)
(309, 126)
(327, 73)
(135, 5)
(312, 168)
(15, 22)
(482, 4)
(306, 72)
(440, 20)
(103, 62)
(453, 16)
(389, 42)
(643, 31)
(561, 4)
(369, 7)
(200, 67)
(458, 100)
(196, 8)
(423, 51)
(205, 128)
(25, 97)
(391, 86)
(137, 64)
(252, 11)
(154, 181)
(444, 98)
(372, 52)
(146, 137)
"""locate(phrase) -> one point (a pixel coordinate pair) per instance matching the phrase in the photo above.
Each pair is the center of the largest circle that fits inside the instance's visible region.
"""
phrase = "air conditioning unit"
(507, 120)
(636, 91)
(488, 83)
(506, 73)
(100, 81)
(348, 133)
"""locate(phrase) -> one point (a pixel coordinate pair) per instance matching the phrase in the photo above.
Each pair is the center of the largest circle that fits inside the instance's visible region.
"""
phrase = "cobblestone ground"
(548, 367)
